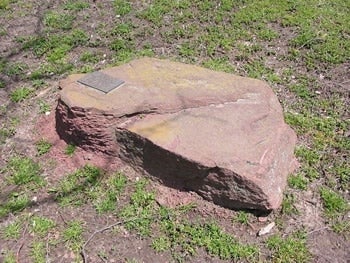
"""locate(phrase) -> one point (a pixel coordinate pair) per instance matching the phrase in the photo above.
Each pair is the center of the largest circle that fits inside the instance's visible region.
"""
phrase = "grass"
(299, 47)
(43, 146)
(72, 235)
(20, 94)
(40, 225)
(290, 249)
(70, 149)
(23, 170)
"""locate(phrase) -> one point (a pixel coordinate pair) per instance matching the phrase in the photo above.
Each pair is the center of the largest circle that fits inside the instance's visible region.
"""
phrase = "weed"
(141, 208)
(12, 230)
(17, 202)
(20, 94)
(4, 4)
(41, 225)
(219, 64)
(70, 149)
(6, 133)
(290, 249)
(288, 207)
(89, 57)
(122, 7)
(109, 193)
(333, 203)
(38, 252)
(161, 244)
(74, 188)
(16, 69)
(72, 235)
(24, 170)
(76, 5)
(43, 146)
(298, 181)
(59, 20)
(9, 256)
(43, 107)
(242, 217)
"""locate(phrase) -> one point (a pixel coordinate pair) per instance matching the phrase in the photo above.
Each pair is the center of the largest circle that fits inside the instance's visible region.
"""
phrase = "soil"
(120, 245)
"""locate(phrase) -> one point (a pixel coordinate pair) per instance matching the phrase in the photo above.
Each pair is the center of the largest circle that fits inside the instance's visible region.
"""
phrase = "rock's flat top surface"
(230, 127)
(164, 86)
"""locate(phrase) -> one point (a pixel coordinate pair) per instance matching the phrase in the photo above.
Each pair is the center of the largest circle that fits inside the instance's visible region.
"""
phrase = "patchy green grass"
(70, 149)
(23, 170)
(43, 146)
(300, 48)
(20, 94)
(290, 249)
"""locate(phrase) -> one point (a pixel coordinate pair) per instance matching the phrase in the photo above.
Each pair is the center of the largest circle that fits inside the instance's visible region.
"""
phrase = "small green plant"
(16, 69)
(78, 187)
(43, 146)
(12, 230)
(76, 5)
(122, 7)
(242, 217)
(4, 4)
(43, 107)
(288, 207)
(109, 193)
(9, 257)
(333, 203)
(70, 149)
(141, 208)
(41, 225)
(23, 170)
(291, 249)
(161, 244)
(72, 235)
(20, 94)
(38, 252)
(16, 202)
(59, 20)
(298, 181)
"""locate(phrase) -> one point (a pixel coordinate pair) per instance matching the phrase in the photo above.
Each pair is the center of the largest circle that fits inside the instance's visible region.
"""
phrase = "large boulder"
(220, 135)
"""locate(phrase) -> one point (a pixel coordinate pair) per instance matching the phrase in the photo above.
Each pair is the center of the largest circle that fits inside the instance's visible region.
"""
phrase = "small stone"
(262, 218)
(267, 229)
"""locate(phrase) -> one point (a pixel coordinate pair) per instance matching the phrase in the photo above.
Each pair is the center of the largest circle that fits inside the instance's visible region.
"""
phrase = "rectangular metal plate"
(101, 81)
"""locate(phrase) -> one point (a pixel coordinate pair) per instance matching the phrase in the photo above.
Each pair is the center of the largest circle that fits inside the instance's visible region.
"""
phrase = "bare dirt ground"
(25, 122)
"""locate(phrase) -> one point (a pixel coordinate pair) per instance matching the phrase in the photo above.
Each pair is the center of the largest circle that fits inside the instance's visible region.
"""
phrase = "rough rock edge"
(164, 165)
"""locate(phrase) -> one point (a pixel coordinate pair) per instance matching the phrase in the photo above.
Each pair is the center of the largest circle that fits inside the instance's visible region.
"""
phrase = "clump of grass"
(122, 7)
(16, 202)
(72, 235)
(141, 207)
(20, 94)
(43, 146)
(4, 4)
(59, 20)
(23, 170)
(288, 207)
(41, 225)
(290, 249)
(108, 193)
(38, 252)
(333, 203)
(242, 217)
(70, 149)
(12, 230)
(77, 187)
(298, 181)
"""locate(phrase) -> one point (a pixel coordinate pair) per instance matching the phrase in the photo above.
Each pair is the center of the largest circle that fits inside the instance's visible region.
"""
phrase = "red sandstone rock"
(214, 133)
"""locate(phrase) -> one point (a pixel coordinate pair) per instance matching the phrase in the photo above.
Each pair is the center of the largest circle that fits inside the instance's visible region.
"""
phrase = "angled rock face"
(214, 133)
